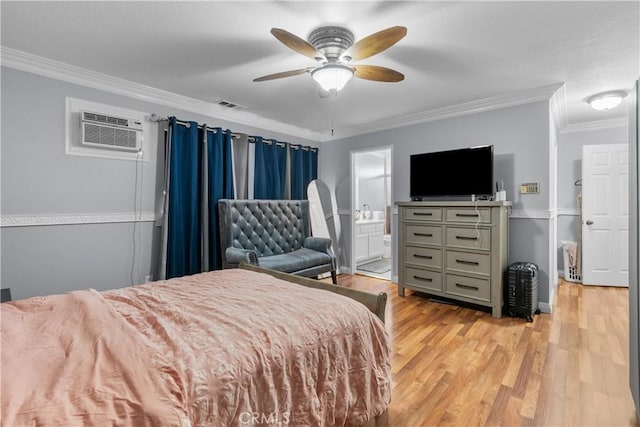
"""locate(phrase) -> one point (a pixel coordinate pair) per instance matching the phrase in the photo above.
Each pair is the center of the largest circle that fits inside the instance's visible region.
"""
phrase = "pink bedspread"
(236, 348)
(70, 360)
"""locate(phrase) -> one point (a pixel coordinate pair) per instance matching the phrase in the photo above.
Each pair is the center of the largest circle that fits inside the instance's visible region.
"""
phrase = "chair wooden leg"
(334, 278)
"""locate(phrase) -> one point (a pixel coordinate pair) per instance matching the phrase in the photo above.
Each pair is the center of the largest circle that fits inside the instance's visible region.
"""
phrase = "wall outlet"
(530, 188)
(148, 278)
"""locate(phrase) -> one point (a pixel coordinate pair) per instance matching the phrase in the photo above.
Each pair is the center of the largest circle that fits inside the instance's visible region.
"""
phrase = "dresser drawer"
(468, 262)
(481, 215)
(422, 214)
(423, 257)
(424, 234)
(468, 287)
(423, 279)
(471, 238)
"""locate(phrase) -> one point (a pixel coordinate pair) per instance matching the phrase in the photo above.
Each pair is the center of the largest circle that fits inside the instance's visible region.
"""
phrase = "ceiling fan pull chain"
(334, 94)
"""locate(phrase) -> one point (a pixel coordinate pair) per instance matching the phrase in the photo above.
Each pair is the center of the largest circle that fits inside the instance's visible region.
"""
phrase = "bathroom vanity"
(369, 235)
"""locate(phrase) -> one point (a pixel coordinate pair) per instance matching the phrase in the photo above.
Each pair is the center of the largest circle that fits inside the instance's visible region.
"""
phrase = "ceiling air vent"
(110, 132)
(228, 104)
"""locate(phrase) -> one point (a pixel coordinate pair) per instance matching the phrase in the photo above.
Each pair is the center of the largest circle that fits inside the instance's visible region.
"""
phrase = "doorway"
(371, 210)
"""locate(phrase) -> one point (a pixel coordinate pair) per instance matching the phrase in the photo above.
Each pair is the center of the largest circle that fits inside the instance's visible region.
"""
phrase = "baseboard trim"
(344, 270)
(545, 307)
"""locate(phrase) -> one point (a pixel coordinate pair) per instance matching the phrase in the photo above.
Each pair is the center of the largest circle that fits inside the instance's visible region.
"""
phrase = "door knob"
(589, 222)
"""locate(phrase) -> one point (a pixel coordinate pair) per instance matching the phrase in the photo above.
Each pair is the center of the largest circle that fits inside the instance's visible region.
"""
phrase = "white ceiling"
(454, 52)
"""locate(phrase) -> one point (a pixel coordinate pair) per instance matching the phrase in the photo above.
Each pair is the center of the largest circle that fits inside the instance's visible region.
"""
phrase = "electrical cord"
(477, 223)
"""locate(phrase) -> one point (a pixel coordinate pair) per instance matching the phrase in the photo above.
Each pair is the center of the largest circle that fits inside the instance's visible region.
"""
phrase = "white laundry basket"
(570, 273)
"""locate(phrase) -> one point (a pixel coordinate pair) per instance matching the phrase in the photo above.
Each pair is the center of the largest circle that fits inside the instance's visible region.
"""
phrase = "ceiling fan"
(333, 48)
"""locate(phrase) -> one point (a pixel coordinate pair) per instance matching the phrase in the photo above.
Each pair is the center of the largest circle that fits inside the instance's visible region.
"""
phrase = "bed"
(238, 347)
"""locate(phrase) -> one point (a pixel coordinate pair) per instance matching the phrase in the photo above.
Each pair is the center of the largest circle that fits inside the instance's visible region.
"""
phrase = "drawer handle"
(423, 213)
(469, 215)
(474, 288)
(426, 279)
(422, 256)
(462, 261)
(466, 238)
(423, 234)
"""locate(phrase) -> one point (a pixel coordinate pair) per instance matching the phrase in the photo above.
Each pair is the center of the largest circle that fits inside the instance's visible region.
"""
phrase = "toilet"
(386, 246)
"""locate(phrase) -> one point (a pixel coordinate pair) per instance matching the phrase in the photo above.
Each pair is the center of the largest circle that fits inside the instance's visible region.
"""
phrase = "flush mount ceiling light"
(332, 77)
(606, 100)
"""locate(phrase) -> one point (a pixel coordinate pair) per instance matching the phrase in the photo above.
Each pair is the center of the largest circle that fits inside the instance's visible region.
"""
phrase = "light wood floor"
(459, 366)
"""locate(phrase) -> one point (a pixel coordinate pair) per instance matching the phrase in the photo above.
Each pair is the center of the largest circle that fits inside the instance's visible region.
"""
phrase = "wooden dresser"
(457, 250)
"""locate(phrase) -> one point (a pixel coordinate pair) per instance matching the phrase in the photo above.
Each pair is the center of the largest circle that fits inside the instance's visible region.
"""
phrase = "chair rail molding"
(74, 219)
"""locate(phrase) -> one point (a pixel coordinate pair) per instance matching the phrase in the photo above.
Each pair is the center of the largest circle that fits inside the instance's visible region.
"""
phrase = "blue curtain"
(200, 173)
(297, 175)
(270, 170)
(304, 169)
(220, 186)
(184, 200)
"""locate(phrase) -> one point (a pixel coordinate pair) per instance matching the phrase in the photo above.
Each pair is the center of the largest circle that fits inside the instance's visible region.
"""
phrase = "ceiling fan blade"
(375, 43)
(296, 43)
(378, 74)
(282, 75)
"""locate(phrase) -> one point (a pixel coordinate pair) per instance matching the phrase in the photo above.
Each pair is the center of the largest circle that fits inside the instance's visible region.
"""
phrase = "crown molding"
(596, 125)
(46, 220)
(45, 67)
(543, 93)
(23, 61)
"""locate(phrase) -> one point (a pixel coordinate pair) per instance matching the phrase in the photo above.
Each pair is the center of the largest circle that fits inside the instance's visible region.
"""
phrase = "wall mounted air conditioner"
(110, 132)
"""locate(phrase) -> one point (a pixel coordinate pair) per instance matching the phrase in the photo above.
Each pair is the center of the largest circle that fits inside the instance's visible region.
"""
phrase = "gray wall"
(372, 193)
(520, 136)
(570, 170)
(39, 179)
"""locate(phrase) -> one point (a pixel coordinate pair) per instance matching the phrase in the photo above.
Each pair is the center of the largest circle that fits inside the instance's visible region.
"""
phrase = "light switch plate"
(530, 188)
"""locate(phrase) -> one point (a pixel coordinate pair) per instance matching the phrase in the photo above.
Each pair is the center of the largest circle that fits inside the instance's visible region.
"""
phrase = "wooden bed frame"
(375, 303)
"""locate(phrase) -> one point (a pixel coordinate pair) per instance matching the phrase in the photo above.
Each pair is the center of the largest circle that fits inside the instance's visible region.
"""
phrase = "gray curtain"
(241, 165)
(162, 267)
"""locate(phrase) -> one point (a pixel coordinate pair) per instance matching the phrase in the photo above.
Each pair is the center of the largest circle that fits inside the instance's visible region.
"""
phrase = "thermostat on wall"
(530, 188)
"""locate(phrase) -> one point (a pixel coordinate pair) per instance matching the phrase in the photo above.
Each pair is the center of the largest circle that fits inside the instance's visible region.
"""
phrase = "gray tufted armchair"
(273, 234)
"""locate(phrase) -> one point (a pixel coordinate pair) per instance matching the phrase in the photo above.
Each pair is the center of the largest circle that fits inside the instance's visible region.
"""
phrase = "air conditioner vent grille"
(103, 135)
(102, 118)
(110, 132)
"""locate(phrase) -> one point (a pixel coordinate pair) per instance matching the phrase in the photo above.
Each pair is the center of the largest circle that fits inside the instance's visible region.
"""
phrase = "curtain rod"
(153, 117)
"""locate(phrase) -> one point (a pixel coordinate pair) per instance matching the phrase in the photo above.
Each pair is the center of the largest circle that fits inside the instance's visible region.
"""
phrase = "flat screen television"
(453, 173)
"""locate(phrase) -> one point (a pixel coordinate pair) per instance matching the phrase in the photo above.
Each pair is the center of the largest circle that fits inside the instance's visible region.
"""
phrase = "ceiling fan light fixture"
(332, 77)
(606, 100)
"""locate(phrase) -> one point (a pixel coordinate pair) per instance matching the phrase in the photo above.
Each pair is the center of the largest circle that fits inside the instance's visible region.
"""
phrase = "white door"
(605, 214)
